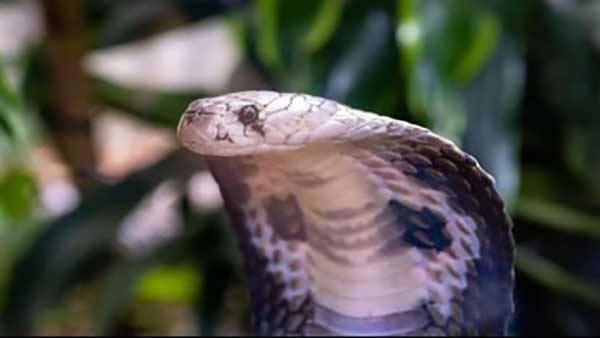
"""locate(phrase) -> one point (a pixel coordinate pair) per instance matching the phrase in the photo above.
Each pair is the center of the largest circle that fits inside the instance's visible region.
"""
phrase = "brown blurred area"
(118, 142)
(86, 144)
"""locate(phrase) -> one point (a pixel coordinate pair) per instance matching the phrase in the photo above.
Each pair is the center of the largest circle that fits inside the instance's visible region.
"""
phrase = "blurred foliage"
(18, 194)
(517, 84)
(16, 184)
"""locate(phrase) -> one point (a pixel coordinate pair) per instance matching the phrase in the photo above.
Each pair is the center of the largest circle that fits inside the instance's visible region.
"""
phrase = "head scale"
(251, 122)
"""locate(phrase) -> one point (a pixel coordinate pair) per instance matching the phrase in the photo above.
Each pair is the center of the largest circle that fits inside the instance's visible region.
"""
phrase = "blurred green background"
(106, 226)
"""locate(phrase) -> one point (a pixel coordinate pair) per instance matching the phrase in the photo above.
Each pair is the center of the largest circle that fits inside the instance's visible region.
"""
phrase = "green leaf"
(267, 40)
(479, 49)
(361, 73)
(9, 105)
(408, 34)
(18, 194)
(427, 45)
(582, 154)
(169, 283)
(324, 26)
(554, 277)
(460, 37)
(558, 217)
(8, 98)
(443, 48)
(15, 125)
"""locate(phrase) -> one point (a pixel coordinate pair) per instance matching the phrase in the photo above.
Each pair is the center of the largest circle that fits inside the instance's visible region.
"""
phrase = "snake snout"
(194, 125)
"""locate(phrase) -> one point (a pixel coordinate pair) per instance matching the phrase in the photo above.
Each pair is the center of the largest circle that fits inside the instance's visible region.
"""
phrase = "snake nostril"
(201, 112)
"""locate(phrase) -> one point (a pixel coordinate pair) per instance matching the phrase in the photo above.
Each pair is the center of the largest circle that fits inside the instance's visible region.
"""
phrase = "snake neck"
(320, 221)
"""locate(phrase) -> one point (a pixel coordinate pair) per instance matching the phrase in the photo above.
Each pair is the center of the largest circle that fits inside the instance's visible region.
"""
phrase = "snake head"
(246, 123)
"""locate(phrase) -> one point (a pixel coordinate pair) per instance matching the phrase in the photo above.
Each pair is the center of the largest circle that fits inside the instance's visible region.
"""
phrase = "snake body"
(353, 223)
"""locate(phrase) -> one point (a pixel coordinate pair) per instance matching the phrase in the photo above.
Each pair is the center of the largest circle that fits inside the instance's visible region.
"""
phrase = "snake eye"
(248, 114)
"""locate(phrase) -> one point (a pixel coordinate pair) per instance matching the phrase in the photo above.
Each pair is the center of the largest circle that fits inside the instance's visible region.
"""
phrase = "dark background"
(106, 226)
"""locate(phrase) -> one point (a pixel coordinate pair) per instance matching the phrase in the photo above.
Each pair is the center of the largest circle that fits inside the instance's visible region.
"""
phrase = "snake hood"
(252, 122)
(353, 223)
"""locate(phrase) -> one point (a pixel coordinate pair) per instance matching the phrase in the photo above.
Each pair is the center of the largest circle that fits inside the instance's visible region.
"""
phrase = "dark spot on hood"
(286, 217)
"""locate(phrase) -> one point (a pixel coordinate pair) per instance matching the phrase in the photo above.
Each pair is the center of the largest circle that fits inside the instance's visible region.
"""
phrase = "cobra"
(352, 223)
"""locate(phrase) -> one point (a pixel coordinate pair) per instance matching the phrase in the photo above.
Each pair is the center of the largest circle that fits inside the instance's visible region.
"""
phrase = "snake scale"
(352, 223)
